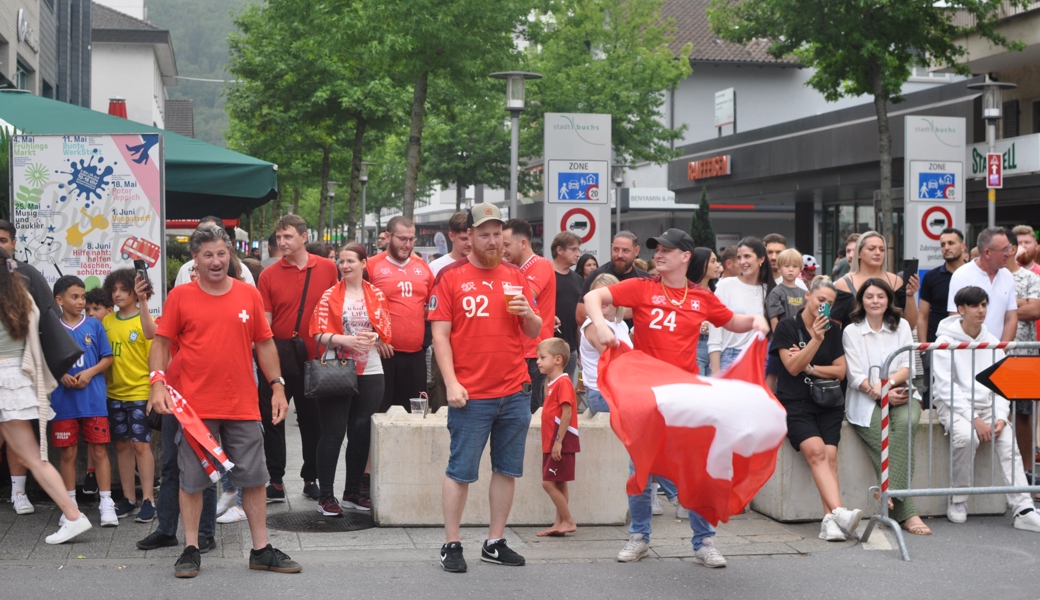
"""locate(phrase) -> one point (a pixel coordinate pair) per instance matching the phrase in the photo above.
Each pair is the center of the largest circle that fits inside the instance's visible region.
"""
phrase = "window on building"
(920, 73)
(21, 78)
(1036, 116)
(1010, 118)
(47, 91)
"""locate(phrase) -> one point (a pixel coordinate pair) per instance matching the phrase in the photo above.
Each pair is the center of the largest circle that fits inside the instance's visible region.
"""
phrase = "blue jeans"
(727, 357)
(703, 362)
(505, 420)
(594, 400)
(168, 505)
(670, 491)
(640, 508)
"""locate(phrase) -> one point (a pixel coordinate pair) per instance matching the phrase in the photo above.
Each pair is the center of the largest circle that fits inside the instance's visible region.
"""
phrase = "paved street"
(985, 557)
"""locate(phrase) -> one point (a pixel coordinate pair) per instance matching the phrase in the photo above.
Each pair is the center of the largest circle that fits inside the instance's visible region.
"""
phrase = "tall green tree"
(700, 225)
(606, 56)
(859, 47)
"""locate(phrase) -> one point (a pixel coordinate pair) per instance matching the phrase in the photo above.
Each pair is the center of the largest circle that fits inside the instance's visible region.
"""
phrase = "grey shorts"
(242, 441)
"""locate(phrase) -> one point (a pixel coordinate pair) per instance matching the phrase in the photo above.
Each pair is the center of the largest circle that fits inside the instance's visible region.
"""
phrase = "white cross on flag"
(715, 438)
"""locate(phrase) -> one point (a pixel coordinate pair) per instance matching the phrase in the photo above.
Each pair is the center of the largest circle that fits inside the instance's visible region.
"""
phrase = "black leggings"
(350, 417)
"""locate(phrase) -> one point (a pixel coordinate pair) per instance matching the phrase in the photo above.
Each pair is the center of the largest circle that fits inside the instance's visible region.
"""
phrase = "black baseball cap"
(673, 238)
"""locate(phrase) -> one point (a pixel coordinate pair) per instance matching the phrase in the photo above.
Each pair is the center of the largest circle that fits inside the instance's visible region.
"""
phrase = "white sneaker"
(232, 515)
(1028, 522)
(69, 530)
(108, 513)
(957, 512)
(830, 531)
(655, 505)
(635, 549)
(709, 556)
(681, 512)
(226, 501)
(847, 520)
(21, 503)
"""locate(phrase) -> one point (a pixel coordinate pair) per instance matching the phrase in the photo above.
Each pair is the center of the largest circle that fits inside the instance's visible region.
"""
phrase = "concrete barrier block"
(791, 495)
(409, 455)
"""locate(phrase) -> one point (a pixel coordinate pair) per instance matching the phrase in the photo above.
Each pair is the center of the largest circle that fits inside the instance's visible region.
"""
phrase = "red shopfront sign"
(706, 168)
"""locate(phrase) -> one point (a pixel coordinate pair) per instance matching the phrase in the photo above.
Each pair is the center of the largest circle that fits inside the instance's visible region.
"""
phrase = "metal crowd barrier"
(939, 351)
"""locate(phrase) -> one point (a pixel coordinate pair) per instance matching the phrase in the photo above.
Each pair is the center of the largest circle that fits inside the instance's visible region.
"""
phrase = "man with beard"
(516, 249)
(624, 251)
(406, 282)
(935, 291)
(291, 288)
(478, 336)
(1027, 247)
(384, 239)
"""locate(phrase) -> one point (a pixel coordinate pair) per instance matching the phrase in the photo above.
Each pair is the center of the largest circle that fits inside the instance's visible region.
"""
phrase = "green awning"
(201, 179)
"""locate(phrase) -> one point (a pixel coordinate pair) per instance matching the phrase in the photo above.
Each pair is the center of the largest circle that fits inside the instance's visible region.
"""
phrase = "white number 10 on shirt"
(658, 315)
(475, 306)
(406, 288)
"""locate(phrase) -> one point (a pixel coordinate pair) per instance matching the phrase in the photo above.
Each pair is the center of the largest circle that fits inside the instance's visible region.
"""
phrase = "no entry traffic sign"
(579, 222)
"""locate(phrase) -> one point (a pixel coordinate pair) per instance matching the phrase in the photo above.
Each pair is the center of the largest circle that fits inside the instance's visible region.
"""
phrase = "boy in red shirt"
(559, 432)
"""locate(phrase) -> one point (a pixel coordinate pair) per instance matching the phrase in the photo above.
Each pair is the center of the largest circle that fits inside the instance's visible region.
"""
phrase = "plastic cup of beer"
(512, 291)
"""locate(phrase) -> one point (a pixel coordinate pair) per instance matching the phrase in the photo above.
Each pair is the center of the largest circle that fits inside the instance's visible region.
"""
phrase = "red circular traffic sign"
(584, 229)
(927, 227)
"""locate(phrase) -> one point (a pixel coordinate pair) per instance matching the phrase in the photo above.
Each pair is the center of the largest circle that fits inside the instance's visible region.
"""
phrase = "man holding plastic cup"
(478, 342)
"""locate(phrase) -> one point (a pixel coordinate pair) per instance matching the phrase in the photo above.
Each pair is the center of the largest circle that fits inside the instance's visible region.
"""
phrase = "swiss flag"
(715, 438)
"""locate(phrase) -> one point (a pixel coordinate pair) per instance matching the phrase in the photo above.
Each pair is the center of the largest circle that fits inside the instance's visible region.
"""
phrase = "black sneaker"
(310, 489)
(90, 486)
(273, 559)
(451, 558)
(124, 508)
(275, 493)
(188, 564)
(207, 543)
(157, 539)
(146, 513)
(500, 554)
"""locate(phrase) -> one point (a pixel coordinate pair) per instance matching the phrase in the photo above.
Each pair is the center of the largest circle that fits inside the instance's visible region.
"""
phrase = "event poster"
(85, 205)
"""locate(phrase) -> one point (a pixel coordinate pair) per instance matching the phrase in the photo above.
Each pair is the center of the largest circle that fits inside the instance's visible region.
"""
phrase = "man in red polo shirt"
(478, 336)
(282, 287)
(215, 321)
(541, 277)
(406, 282)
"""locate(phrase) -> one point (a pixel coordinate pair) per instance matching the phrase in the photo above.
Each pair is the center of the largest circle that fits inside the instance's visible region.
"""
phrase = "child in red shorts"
(79, 401)
(559, 432)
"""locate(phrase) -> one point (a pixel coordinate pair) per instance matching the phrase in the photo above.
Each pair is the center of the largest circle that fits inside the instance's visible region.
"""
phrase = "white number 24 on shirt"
(660, 321)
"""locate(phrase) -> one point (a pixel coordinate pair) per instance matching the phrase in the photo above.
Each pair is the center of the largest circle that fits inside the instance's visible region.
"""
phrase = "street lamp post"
(363, 178)
(992, 104)
(617, 175)
(332, 214)
(515, 105)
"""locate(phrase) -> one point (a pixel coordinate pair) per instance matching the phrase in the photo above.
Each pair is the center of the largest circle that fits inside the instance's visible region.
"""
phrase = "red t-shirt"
(281, 285)
(215, 360)
(542, 278)
(486, 340)
(661, 329)
(407, 289)
(558, 392)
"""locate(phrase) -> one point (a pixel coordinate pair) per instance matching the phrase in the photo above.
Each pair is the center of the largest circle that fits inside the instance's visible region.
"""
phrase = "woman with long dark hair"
(25, 382)
(876, 330)
(704, 270)
(586, 265)
(349, 319)
(744, 294)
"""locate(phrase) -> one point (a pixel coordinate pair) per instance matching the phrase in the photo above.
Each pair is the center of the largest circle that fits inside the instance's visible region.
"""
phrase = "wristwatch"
(280, 380)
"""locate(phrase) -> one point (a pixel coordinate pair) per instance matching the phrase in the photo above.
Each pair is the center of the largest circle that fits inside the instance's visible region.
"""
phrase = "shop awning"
(201, 179)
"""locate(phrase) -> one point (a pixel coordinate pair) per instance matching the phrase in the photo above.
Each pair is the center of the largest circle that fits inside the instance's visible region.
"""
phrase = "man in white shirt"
(989, 272)
(458, 233)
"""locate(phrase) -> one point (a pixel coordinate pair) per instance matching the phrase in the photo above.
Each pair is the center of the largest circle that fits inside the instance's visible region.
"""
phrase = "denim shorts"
(505, 420)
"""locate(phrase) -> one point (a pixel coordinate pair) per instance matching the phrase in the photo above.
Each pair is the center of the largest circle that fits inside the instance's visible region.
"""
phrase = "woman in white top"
(744, 295)
(876, 330)
(590, 347)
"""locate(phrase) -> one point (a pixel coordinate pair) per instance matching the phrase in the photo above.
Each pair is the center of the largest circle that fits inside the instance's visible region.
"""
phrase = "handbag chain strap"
(801, 340)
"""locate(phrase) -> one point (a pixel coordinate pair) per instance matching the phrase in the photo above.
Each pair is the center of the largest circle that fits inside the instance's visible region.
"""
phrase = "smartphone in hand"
(825, 310)
(142, 270)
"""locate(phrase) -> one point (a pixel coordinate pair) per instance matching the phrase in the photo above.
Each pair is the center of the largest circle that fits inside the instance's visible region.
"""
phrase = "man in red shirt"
(541, 277)
(219, 313)
(478, 341)
(297, 276)
(667, 311)
(406, 282)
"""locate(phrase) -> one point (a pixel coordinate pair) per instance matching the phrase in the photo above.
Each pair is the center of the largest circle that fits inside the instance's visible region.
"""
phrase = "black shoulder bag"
(329, 379)
(826, 393)
(293, 352)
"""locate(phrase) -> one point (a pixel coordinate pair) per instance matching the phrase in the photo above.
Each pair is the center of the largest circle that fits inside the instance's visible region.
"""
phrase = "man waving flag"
(715, 438)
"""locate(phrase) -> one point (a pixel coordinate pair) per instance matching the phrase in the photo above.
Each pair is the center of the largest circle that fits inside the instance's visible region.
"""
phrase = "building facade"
(45, 48)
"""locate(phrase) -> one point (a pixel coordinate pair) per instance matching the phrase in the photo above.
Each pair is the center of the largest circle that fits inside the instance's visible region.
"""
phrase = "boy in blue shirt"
(79, 401)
